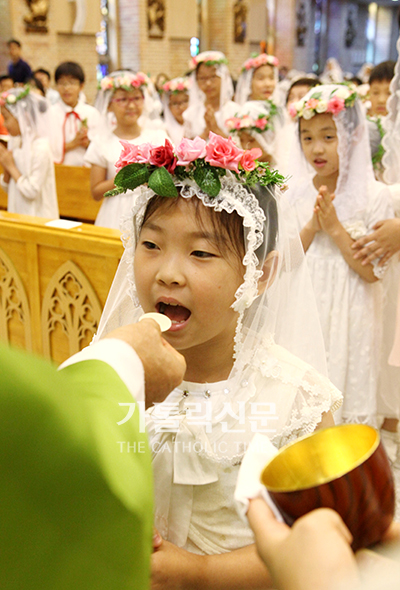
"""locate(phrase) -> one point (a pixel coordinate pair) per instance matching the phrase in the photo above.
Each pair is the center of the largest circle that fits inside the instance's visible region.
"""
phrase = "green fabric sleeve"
(75, 504)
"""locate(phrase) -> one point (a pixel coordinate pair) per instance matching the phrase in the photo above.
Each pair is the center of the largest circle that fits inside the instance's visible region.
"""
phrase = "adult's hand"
(315, 553)
(382, 243)
(164, 367)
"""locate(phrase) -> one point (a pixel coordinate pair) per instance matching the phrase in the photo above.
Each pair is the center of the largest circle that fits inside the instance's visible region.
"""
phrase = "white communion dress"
(34, 193)
(350, 309)
(199, 434)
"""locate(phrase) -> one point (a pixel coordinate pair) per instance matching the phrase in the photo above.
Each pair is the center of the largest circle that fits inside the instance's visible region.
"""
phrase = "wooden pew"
(73, 193)
(53, 283)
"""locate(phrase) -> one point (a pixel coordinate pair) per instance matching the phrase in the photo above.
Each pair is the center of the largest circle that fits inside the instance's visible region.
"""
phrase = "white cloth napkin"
(249, 485)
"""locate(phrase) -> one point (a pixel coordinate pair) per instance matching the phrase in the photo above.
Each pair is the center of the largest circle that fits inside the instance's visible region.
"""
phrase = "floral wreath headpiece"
(208, 58)
(247, 123)
(9, 98)
(256, 61)
(195, 160)
(341, 98)
(176, 85)
(127, 81)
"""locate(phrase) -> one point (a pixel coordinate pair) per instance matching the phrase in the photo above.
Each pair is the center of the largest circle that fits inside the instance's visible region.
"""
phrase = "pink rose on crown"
(335, 105)
(163, 155)
(189, 150)
(247, 161)
(261, 123)
(292, 110)
(144, 152)
(222, 153)
(128, 155)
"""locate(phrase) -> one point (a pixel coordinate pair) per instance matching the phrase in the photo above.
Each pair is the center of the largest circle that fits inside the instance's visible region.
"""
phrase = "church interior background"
(158, 35)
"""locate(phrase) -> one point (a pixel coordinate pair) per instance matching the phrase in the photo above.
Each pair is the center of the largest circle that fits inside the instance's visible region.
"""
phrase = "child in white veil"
(339, 202)
(258, 125)
(210, 96)
(219, 258)
(175, 100)
(28, 177)
(258, 79)
(123, 101)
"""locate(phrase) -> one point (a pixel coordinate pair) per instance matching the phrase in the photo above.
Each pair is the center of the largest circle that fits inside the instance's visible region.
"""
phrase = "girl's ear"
(270, 268)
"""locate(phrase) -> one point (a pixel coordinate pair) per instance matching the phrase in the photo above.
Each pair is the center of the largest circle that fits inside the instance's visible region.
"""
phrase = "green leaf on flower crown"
(132, 176)
(162, 184)
(118, 190)
(208, 180)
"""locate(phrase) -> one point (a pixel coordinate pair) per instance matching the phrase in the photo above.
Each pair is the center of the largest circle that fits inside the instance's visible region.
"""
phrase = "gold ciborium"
(345, 468)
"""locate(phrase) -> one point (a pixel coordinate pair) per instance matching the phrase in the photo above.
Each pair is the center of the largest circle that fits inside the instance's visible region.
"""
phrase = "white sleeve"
(121, 357)
(93, 122)
(31, 186)
(94, 155)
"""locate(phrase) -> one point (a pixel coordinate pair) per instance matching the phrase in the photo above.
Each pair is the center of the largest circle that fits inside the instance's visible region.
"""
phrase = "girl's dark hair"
(229, 231)
(70, 68)
(42, 71)
(310, 82)
(36, 83)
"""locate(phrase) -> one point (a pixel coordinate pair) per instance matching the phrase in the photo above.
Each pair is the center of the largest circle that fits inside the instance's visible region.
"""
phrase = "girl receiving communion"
(207, 244)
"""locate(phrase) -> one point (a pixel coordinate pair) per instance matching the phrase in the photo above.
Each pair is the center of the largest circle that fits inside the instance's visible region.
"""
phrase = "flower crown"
(193, 159)
(176, 85)
(208, 58)
(256, 61)
(340, 98)
(246, 122)
(126, 81)
(9, 98)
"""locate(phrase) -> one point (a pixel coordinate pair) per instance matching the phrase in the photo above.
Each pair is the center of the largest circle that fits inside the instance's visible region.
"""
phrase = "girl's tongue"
(176, 313)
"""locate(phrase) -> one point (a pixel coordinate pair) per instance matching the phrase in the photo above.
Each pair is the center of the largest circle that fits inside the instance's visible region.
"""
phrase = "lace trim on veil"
(232, 197)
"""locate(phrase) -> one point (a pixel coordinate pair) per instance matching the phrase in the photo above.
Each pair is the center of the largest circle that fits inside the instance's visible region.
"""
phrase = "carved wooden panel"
(15, 319)
(70, 313)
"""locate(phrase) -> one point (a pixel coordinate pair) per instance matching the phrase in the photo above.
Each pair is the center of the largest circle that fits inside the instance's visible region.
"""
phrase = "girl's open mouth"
(178, 314)
(319, 162)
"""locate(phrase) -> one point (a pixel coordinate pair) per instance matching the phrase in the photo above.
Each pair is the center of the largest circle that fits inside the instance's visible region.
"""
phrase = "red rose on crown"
(163, 155)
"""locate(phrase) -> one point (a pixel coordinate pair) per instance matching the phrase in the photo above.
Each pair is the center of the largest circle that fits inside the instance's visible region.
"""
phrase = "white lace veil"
(332, 73)
(32, 113)
(391, 124)
(355, 166)
(196, 96)
(243, 86)
(286, 310)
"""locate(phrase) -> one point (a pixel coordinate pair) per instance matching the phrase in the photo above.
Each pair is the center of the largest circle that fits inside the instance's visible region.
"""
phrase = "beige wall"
(134, 47)
(170, 54)
(59, 44)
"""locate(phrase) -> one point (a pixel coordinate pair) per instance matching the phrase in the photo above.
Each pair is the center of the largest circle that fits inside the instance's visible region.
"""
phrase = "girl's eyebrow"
(209, 236)
(153, 226)
(328, 128)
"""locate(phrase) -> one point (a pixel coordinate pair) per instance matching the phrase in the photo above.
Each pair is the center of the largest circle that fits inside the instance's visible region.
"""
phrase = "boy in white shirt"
(73, 122)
